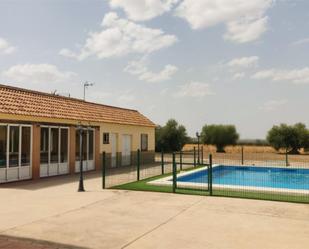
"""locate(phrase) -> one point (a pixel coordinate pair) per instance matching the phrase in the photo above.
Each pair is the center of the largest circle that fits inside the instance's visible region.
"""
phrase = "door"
(15, 152)
(87, 150)
(113, 140)
(54, 151)
(126, 150)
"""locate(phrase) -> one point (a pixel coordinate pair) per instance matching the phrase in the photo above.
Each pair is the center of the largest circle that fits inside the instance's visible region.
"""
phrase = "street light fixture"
(86, 84)
(81, 170)
(198, 147)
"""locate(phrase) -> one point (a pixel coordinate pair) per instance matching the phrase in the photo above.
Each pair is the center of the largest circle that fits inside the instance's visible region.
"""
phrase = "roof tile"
(37, 104)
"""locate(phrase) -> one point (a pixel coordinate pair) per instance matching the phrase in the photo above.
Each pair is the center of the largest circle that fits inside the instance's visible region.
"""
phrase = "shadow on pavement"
(24, 243)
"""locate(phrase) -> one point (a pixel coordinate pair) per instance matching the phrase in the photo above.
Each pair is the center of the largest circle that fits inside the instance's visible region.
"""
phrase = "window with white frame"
(54, 144)
(15, 145)
(44, 144)
(105, 138)
(144, 142)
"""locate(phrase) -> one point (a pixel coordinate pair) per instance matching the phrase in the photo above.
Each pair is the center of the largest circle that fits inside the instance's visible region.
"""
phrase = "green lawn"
(143, 186)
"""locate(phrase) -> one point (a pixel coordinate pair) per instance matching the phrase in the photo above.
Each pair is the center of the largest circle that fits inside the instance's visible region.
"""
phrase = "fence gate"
(190, 177)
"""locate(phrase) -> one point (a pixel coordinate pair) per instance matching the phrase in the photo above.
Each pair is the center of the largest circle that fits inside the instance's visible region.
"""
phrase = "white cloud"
(194, 89)
(237, 76)
(272, 105)
(142, 10)
(246, 30)
(140, 69)
(245, 20)
(6, 47)
(301, 41)
(121, 37)
(296, 76)
(164, 92)
(125, 98)
(244, 62)
(37, 73)
(68, 53)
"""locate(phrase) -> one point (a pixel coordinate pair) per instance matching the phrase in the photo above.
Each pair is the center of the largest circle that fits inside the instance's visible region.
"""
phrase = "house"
(39, 135)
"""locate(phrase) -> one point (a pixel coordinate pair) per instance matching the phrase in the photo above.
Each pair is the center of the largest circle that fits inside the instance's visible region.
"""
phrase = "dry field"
(234, 149)
(252, 154)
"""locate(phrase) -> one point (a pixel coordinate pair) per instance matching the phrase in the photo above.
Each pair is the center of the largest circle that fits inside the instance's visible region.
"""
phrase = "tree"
(171, 137)
(291, 138)
(219, 135)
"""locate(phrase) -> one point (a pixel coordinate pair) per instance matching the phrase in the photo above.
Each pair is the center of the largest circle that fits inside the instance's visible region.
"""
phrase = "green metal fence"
(256, 175)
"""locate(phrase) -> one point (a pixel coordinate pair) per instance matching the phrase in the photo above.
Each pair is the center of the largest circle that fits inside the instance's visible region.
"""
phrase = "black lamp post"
(81, 170)
(198, 147)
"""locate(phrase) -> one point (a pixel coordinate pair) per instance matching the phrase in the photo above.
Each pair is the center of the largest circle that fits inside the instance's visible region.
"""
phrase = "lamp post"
(198, 147)
(86, 84)
(81, 173)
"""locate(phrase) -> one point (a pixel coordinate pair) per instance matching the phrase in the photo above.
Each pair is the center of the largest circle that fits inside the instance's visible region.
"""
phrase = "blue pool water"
(253, 176)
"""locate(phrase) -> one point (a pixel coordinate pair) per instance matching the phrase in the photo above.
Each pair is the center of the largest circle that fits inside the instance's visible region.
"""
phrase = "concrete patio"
(52, 214)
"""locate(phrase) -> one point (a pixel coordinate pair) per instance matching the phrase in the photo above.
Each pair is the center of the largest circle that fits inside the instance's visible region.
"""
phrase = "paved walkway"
(53, 215)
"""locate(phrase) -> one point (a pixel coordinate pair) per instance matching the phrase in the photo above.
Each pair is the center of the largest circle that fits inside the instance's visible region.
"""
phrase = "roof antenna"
(86, 84)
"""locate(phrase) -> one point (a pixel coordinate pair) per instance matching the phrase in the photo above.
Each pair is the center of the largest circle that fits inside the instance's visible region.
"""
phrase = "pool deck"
(52, 214)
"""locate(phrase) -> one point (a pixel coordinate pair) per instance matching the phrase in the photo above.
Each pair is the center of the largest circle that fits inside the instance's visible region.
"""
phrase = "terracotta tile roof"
(24, 102)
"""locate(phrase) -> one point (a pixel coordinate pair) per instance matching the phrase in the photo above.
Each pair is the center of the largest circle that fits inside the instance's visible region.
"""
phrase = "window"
(54, 145)
(87, 145)
(144, 142)
(64, 146)
(44, 145)
(105, 138)
(25, 146)
(3, 142)
(91, 142)
(14, 146)
(77, 146)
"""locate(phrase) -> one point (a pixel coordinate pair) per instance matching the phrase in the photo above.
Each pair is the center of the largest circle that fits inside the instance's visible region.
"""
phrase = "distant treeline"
(173, 136)
(252, 142)
(255, 142)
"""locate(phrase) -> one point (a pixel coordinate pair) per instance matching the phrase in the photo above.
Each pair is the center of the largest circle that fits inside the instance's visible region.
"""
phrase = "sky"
(198, 61)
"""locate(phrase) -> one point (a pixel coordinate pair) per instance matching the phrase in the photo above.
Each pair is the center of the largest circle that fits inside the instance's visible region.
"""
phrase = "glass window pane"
(14, 146)
(44, 145)
(54, 145)
(90, 145)
(25, 146)
(144, 142)
(84, 141)
(3, 140)
(77, 148)
(64, 146)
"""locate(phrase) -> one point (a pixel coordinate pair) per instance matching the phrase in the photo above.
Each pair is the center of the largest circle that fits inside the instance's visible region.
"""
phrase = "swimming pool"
(244, 178)
(253, 176)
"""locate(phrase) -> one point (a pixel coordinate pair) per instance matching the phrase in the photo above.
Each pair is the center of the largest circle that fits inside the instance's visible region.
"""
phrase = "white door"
(126, 150)
(88, 150)
(113, 140)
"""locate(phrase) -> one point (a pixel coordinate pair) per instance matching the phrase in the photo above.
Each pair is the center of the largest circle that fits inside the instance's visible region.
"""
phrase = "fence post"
(162, 162)
(138, 164)
(286, 159)
(174, 173)
(180, 154)
(103, 169)
(198, 154)
(242, 155)
(202, 152)
(210, 175)
(194, 153)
